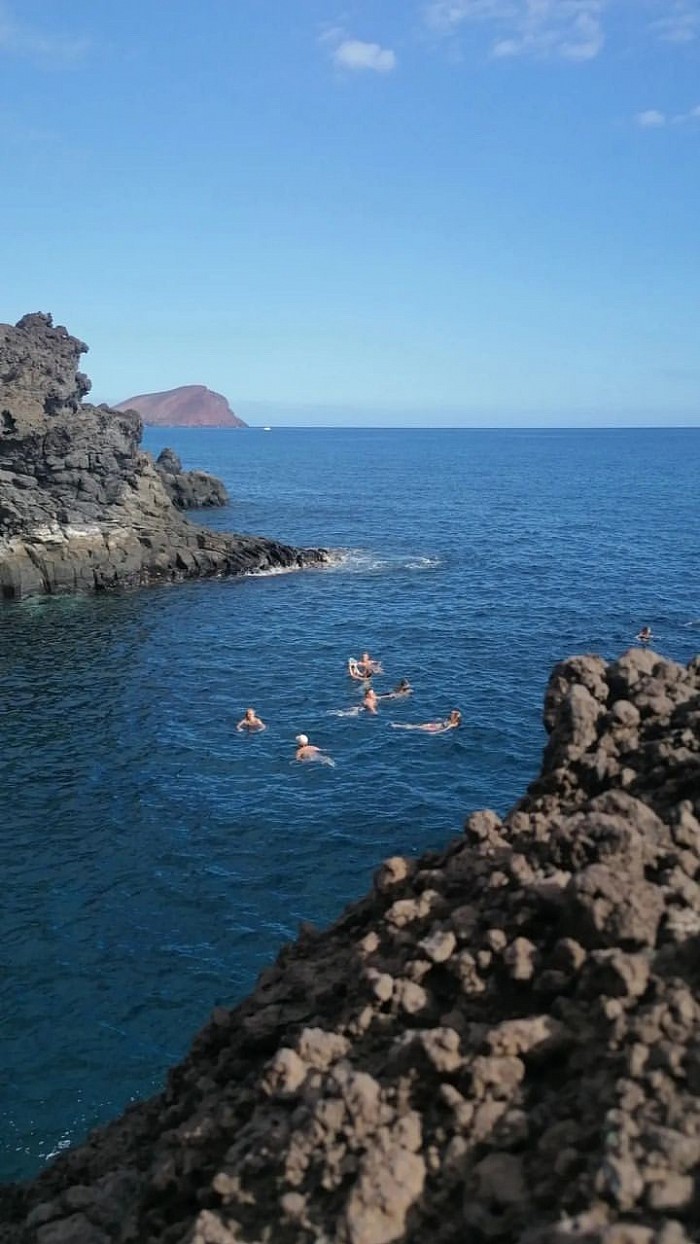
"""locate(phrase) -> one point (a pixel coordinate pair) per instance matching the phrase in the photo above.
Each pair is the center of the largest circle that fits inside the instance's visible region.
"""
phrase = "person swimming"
(307, 751)
(403, 688)
(369, 700)
(433, 727)
(369, 705)
(251, 721)
(363, 667)
(644, 635)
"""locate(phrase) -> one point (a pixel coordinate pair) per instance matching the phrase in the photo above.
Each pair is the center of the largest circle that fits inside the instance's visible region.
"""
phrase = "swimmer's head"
(302, 740)
(455, 715)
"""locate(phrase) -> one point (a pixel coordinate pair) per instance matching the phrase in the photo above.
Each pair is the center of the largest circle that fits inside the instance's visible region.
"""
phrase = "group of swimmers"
(361, 670)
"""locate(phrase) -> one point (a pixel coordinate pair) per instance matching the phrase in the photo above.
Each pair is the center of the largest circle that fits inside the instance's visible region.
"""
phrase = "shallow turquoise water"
(154, 860)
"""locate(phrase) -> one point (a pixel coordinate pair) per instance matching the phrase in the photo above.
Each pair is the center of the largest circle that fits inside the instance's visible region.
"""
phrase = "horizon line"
(433, 427)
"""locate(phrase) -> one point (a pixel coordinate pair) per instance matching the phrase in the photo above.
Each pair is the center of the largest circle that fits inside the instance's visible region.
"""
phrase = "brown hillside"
(192, 405)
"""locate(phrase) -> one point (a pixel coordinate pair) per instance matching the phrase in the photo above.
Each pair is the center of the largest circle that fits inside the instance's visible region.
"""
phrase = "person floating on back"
(251, 721)
(402, 689)
(307, 751)
(433, 727)
(645, 636)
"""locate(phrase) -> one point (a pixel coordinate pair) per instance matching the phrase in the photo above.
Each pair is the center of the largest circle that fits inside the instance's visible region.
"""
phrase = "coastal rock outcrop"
(500, 1043)
(189, 490)
(190, 406)
(82, 506)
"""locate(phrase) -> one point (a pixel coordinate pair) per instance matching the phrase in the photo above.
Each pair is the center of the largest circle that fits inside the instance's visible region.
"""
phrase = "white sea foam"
(366, 561)
(272, 570)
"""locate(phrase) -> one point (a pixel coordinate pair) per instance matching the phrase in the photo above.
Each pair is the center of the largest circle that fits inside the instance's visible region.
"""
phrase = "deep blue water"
(154, 860)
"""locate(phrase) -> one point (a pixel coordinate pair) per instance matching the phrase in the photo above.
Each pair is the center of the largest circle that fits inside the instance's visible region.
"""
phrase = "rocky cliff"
(190, 406)
(82, 507)
(500, 1043)
(189, 490)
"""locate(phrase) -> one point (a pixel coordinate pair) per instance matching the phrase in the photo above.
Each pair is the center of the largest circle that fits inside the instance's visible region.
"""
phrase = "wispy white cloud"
(569, 29)
(572, 30)
(20, 39)
(679, 22)
(357, 55)
(653, 119)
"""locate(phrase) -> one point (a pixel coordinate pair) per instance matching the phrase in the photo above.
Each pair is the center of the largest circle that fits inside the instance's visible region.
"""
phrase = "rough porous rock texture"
(500, 1043)
(189, 490)
(190, 406)
(82, 507)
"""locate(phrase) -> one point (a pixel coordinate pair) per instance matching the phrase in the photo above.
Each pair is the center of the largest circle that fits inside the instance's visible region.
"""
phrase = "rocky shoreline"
(82, 506)
(500, 1043)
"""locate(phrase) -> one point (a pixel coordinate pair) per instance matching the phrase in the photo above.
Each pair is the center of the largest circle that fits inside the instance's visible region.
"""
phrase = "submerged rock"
(82, 506)
(543, 1085)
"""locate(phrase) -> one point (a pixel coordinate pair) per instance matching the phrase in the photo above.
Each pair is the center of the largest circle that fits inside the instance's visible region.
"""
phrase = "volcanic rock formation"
(189, 490)
(82, 507)
(190, 406)
(500, 1043)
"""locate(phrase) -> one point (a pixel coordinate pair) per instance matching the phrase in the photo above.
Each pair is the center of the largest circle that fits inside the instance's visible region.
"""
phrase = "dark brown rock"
(500, 1043)
(82, 507)
(189, 490)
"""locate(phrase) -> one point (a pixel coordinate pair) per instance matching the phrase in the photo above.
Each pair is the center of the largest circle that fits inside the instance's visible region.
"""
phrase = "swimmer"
(369, 666)
(251, 721)
(363, 668)
(403, 688)
(369, 704)
(434, 727)
(307, 751)
(369, 700)
(644, 635)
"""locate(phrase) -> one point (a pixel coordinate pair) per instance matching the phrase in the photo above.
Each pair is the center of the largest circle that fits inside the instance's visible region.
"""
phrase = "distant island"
(190, 406)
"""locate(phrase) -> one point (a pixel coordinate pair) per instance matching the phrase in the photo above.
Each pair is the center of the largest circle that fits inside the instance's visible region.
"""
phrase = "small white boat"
(267, 429)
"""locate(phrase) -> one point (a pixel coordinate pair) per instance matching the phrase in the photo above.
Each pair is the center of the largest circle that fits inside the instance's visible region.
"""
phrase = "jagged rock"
(189, 490)
(82, 506)
(500, 1043)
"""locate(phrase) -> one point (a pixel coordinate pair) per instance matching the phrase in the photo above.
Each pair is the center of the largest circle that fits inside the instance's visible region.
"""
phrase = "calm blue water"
(154, 860)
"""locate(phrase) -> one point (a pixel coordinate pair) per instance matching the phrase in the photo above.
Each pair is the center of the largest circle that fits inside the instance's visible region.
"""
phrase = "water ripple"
(154, 859)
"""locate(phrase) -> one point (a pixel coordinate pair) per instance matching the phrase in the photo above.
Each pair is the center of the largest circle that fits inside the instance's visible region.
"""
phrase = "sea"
(154, 860)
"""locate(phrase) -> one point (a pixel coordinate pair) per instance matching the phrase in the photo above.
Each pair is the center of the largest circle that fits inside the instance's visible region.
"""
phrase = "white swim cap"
(302, 740)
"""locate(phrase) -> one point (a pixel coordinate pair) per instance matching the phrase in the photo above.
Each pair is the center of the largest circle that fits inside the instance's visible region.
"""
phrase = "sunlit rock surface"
(500, 1043)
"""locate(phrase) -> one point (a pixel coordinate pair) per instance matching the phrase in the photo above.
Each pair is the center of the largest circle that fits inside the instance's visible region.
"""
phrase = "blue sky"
(390, 211)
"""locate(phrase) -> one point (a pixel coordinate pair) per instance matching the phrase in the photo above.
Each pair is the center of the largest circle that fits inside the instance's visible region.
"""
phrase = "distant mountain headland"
(82, 506)
(190, 406)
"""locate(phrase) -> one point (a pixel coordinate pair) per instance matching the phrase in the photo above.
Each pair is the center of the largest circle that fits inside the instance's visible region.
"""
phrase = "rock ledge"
(500, 1043)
